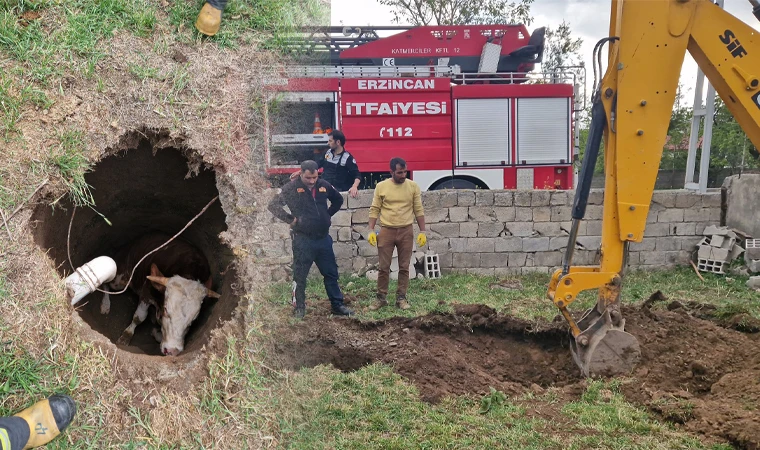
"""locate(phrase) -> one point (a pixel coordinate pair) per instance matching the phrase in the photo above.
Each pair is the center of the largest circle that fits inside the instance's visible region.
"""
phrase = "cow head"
(182, 303)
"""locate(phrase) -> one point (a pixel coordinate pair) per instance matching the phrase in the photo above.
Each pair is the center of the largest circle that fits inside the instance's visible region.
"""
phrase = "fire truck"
(461, 104)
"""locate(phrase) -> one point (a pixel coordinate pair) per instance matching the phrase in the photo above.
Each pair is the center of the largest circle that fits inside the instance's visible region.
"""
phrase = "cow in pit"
(174, 280)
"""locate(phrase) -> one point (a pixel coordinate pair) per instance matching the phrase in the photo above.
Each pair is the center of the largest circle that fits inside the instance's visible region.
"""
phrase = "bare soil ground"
(694, 372)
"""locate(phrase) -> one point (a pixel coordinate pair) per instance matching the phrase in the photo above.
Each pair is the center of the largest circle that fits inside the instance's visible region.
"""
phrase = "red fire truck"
(461, 104)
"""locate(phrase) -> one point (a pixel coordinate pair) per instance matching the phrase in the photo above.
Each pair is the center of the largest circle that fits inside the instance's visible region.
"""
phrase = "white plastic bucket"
(88, 277)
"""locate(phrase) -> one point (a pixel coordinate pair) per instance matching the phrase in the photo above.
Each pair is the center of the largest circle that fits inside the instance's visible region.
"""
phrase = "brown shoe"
(402, 303)
(379, 303)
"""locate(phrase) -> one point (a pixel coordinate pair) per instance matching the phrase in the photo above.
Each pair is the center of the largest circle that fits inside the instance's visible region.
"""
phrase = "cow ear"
(154, 272)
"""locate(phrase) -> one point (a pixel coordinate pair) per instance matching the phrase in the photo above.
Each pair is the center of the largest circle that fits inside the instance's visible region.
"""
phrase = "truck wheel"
(456, 183)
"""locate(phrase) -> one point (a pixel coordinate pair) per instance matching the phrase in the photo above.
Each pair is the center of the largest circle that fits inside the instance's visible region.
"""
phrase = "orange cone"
(317, 125)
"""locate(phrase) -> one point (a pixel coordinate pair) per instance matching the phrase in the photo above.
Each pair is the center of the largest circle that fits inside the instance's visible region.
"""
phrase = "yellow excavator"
(631, 110)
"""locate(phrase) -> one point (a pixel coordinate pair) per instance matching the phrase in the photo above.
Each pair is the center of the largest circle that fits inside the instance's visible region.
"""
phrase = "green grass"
(72, 164)
(729, 294)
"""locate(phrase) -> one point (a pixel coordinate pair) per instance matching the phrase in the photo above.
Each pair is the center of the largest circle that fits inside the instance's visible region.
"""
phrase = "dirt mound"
(693, 371)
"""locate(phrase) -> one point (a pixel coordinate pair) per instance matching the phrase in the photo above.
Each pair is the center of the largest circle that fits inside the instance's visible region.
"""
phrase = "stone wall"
(508, 232)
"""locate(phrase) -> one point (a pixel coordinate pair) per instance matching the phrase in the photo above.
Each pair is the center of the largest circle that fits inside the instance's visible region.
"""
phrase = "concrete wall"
(508, 232)
(742, 194)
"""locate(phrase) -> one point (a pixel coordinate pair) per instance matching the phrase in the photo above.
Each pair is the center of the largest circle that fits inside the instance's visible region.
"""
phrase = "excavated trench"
(149, 187)
(697, 370)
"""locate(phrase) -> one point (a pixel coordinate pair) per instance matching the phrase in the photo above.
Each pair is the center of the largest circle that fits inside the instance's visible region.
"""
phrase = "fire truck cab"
(493, 125)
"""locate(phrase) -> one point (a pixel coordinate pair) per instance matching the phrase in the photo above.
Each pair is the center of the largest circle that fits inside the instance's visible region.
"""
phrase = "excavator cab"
(631, 111)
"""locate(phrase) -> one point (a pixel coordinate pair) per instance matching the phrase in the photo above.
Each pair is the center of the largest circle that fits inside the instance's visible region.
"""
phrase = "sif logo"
(728, 38)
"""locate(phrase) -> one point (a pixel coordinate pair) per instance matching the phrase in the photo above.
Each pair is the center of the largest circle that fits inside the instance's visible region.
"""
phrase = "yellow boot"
(48, 418)
(209, 20)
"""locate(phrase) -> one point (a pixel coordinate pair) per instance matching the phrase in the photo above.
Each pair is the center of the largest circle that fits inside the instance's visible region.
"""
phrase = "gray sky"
(588, 19)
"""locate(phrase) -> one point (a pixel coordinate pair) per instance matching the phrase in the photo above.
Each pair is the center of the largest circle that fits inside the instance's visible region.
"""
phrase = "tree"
(561, 49)
(460, 12)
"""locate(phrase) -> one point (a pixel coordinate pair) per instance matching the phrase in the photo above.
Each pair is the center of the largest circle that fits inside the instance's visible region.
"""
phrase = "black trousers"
(307, 251)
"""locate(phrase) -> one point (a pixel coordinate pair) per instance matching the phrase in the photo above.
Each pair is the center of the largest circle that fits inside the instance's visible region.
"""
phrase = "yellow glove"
(372, 239)
(421, 240)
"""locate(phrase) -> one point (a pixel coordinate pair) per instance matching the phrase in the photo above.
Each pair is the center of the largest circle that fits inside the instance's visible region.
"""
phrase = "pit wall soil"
(506, 232)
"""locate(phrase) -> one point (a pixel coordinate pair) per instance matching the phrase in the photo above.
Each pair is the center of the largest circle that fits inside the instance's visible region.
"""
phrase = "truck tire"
(456, 183)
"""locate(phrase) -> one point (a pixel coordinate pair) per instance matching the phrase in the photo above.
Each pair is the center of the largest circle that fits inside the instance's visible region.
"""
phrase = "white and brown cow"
(179, 271)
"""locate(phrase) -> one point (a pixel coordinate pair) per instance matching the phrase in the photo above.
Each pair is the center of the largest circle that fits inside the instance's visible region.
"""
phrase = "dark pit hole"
(140, 190)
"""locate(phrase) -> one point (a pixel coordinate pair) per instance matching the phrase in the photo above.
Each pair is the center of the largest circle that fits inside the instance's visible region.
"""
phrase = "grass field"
(375, 408)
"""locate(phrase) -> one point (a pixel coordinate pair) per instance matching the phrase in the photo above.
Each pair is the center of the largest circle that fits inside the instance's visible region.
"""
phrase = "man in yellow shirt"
(397, 202)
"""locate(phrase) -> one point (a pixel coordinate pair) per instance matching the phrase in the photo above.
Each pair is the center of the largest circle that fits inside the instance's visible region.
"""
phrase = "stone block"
(590, 242)
(657, 230)
(715, 215)
(521, 229)
(593, 228)
(493, 260)
(508, 244)
(365, 249)
(667, 244)
(481, 272)
(435, 215)
(670, 215)
(657, 258)
(446, 229)
(459, 214)
(560, 198)
(505, 214)
(363, 199)
(542, 214)
(445, 260)
(646, 245)
(344, 234)
(516, 259)
(431, 200)
(481, 245)
(696, 215)
(334, 233)
(557, 243)
(345, 265)
(549, 229)
(482, 214)
(711, 200)
(448, 198)
(506, 271)
(522, 198)
(523, 214)
(466, 198)
(688, 199)
(484, 198)
(503, 198)
(549, 259)
(493, 229)
(585, 258)
(469, 229)
(344, 250)
(439, 246)
(682, 229)
(466, 260)
(665, 198)
(360, 216)
(529, 270)
(358, 263)
(342, 218)
(594, 212)
(652, 216)
(540, 198)
(595, 197)
(561, 213)
(458, 245)
(538, 244)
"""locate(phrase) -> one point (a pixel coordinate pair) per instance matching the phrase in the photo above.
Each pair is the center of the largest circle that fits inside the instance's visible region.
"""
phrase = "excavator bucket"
(604, 349)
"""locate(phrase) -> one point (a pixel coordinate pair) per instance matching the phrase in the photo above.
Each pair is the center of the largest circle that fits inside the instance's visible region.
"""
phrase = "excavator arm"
(631, 110)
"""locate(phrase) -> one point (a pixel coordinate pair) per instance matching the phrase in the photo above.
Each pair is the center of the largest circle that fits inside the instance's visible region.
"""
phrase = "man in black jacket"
(309, 219)
(339, 166)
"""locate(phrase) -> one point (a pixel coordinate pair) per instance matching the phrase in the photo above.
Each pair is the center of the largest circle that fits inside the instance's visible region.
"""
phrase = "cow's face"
(182, 303)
